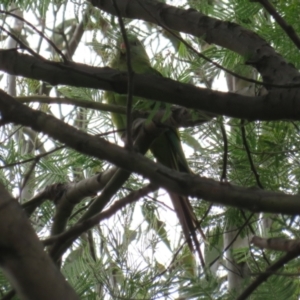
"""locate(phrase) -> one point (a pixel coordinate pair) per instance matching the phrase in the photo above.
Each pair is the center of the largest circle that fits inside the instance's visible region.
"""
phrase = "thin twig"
(169, 268)
(200, 54)
(11, 134)
(253, 169)
(288, 29)
(38, 31)
(225, 153)
(233, 240)
(37, 157)
(29, 173)
(253, 232)
(85, 225)
(23, 46)
(270, 271)
(129, 141)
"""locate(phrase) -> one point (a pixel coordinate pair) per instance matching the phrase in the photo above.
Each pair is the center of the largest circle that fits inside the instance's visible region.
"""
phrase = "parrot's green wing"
(167, 147)
(140, 63)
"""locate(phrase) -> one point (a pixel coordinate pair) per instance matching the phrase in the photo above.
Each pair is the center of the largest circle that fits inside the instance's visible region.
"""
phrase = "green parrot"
(167, 147)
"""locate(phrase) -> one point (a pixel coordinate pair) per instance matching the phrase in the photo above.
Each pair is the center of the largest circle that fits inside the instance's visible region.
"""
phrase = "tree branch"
(184, 184)
(23, 259)
(288, 29)
(277, 104)
(180, 116)
(269, 272)
(214, 31)
(65, 239)
(277, 244)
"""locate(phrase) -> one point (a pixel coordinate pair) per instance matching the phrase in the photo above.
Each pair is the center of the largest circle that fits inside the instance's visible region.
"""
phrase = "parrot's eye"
(135, 43)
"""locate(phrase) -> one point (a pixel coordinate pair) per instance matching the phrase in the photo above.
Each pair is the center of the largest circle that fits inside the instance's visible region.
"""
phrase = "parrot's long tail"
(188, 223)
(168, 151)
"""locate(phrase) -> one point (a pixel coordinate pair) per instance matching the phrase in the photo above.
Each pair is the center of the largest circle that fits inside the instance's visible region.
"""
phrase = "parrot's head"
(136, 48)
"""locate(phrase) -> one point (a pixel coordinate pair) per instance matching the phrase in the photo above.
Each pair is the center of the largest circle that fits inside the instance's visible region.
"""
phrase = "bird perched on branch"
(167, 147)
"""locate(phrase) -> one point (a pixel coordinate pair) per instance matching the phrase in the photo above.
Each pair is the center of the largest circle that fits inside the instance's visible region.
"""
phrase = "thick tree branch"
(277, 104)
(276, 244)
(23, 259)
(72, 193)
(114, 180)
(79, 228)
(95, 215)
(272, 67)
(185, 184)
